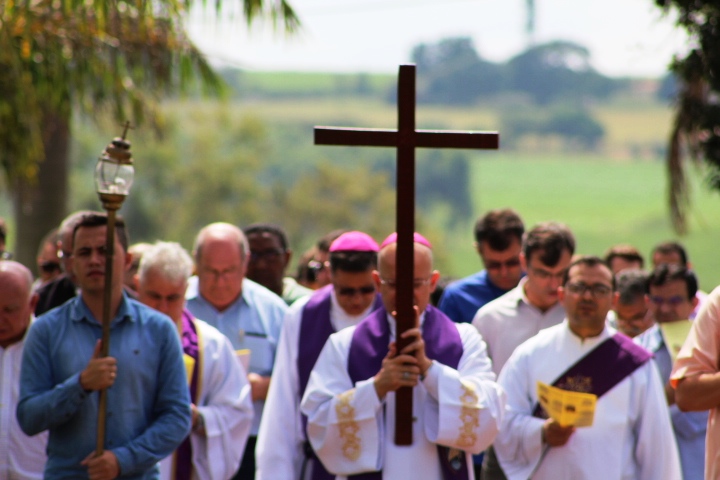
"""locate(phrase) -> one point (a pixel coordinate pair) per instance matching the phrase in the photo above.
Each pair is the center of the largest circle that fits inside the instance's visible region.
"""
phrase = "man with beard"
(631, 436)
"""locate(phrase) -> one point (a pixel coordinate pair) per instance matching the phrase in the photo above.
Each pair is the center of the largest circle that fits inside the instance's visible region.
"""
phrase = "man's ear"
(128, 261)
(376, 278)
(288, 257)
(33, 301)
(523, 262)
(434, 279)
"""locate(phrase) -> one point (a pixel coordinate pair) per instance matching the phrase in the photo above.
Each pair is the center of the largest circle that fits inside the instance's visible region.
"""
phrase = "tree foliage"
(118, 56)
(696, 130)
(453, 72)
(557, 70)
(571, 122)
(213, 168)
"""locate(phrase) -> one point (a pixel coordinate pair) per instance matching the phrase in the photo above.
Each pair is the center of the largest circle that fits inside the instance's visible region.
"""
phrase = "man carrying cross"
(350, 396)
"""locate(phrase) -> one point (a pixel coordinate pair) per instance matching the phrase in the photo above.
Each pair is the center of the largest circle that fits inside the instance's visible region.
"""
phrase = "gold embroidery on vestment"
(469, 416)
(348, 426)
(577, 384)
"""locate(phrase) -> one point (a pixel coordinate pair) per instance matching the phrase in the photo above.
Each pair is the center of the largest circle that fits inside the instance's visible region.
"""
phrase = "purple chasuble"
(191, 346)
(603, 368)
(315, 329)
(442, 343)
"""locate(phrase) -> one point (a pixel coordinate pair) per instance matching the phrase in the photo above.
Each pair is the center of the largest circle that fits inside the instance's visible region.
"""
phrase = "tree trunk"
(41, 206)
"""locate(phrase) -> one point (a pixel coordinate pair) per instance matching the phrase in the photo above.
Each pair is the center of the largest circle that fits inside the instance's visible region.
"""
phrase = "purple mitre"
(354, 242)
(417, 238)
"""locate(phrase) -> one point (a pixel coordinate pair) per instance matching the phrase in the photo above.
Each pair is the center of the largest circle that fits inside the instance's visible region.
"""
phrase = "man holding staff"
(148, 409)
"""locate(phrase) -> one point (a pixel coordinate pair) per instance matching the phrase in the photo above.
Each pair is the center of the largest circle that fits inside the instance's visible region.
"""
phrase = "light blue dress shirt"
(252, 322)
(148, 406)
(690, 427)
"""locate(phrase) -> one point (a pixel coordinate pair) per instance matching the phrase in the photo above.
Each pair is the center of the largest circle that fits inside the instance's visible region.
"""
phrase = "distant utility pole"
(530, 25)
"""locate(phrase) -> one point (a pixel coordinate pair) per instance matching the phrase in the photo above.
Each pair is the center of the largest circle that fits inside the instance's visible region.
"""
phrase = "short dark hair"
(631, 284)
(667, 248)
(352, 261)
(665, 273)
(270, 228)
(324, 242)
(588, 261)
(98, 219)
(306, 272)
(3, 230)
(550, 238)
(624, 251)
(499, 228)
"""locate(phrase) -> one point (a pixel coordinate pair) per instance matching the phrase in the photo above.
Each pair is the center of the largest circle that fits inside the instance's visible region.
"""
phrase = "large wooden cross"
(405, 139)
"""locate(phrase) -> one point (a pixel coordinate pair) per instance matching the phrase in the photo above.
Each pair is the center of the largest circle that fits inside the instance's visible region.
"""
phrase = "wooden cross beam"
(405, 139)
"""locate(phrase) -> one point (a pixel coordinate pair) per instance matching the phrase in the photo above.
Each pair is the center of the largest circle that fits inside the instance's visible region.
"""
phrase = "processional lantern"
(114, 174)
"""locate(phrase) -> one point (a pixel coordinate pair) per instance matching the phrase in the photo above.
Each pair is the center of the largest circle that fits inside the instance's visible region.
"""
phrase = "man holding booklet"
(630, 436)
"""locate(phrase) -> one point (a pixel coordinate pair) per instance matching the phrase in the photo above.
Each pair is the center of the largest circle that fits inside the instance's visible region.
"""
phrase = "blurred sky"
(625, 37)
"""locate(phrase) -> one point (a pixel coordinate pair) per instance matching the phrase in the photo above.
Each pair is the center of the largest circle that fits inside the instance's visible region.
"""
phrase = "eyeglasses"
(497, 265)
(316, 266)
(268, 255)
(543, 274)
(417, 283)
(672, 301)
(351, 291)
(597, 290)
(49, 267)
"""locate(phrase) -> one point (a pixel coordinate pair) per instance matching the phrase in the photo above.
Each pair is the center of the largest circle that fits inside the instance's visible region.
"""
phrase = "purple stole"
(603, 368)
(191, 346)
(442, 343)
(315, 329)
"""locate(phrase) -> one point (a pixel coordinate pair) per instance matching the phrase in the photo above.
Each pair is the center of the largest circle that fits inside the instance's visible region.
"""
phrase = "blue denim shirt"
(462, 299)
(148, 406)
(252, 322)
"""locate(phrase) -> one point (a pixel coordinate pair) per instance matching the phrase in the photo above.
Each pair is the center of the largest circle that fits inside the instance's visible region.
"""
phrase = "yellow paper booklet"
(189, 366)
(675, 334)
(566, 407)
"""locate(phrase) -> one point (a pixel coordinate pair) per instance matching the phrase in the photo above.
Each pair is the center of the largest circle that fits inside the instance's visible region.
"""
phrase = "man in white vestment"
(221, 407)
(457, 409)
(282, 450)
(21, 456)
(631, 436)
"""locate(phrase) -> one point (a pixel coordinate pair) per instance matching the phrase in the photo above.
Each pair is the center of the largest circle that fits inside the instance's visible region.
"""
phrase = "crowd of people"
(221, 366)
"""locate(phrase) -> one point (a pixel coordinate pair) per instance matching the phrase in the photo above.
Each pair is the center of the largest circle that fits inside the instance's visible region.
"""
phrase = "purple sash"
(191, 346)
(603, 368)
(315, 329)
(370, 345)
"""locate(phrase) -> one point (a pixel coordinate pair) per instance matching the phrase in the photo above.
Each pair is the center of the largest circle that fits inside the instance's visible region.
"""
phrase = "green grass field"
(603, 201)
(615, 196)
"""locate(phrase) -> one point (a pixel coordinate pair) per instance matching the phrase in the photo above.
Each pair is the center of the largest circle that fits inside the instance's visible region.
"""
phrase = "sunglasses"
(351, 292)
(495, 265)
